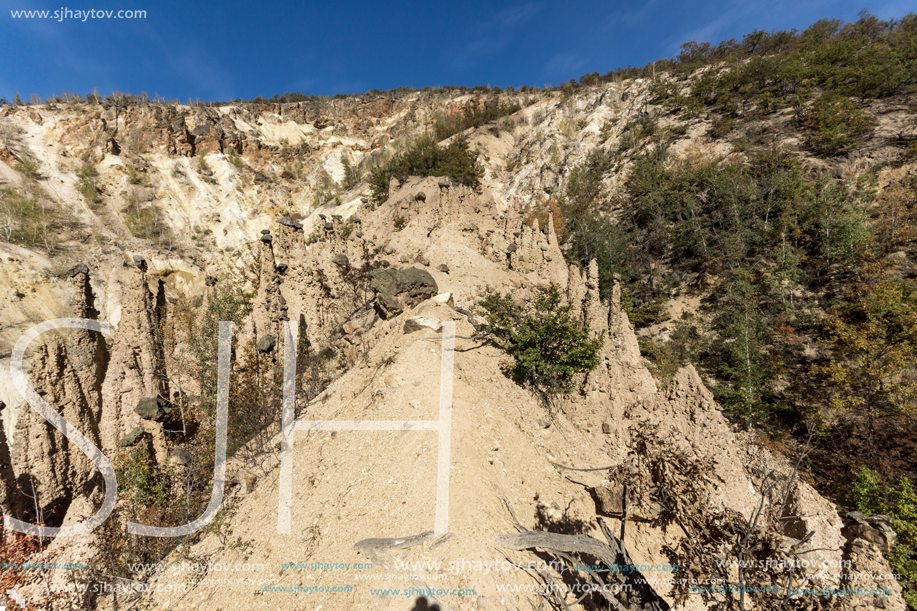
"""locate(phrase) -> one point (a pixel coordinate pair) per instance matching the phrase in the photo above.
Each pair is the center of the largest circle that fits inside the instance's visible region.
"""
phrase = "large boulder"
(399, 289)
(153, 408)
(133, 438)
(266, 343)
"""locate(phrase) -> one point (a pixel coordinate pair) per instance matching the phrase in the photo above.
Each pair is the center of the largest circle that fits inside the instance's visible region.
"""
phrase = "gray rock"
(420, 196)
(281, 268)
(265, 232)
(79, 268)
(364, 200)
(179, 457)
(511, 248)
(388, 249)
(543, 247)
(416, 323)
(287, 221)
(266, 238)
(606, 427)
(133, 438)
(341, 260)
(398, 289)
(361, 321)
(153, 408)
(140, 262)
(443, 268)
(329, 225)
(266, 343)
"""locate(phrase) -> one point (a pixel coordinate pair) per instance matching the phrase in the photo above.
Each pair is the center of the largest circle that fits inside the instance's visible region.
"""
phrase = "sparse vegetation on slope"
(472, 114)
(549, 347)
(426, 158)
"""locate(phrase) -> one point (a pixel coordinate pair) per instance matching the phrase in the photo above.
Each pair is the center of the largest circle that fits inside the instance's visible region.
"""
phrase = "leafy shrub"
(836, 124)
(134, 176)
(27, 165)
(147, 222)
(900, 504)
(142, 481)
(352, 174)
(400, 222)
(86, 182)
(472, 114)
(29, 219)
(549, 347)
(225, 303)
(235, 160)
(426, 158)
(875, 329)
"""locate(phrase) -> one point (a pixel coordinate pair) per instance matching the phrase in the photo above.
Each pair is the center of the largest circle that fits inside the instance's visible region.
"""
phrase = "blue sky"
(231, 49)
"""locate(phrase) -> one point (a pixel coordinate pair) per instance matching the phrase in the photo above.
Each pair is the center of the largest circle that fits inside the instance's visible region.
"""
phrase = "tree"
(351, 172)
(746, 366)
(836, 125)
(874, 332)
(897, 219)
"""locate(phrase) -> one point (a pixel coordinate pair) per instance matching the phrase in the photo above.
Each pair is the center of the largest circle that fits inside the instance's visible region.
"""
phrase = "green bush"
(426, 158)
(900, 504)
(27, 165)
(20, 218)
(549, 347)
(86, 182)
(352, 174)
(473, 114)
(29, 219)
(147, 222)
(134, 176)
(141, 480)
(836, 125)
(235, 160)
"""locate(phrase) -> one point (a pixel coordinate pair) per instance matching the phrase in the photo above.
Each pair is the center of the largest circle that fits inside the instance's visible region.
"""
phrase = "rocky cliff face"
(246, 215)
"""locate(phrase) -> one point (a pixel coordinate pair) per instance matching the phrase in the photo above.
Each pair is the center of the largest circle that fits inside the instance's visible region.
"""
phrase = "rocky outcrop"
(86, 350)
(10, 499)
(47, 465)
(868, 570)
(137, 369)
(269, 309)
